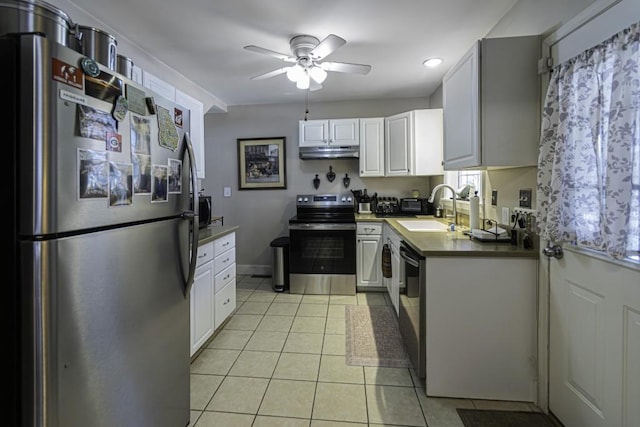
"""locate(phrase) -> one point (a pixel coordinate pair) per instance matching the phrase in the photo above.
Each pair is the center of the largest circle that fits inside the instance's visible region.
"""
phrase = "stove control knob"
(299, 199)
(344, 199)
(306, 199)
(349, 199)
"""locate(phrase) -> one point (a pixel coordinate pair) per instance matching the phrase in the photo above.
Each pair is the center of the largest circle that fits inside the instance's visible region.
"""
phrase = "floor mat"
(492, 418)
(373, 337)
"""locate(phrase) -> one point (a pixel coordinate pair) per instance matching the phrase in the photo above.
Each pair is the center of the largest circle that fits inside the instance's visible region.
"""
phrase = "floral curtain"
(588, 189)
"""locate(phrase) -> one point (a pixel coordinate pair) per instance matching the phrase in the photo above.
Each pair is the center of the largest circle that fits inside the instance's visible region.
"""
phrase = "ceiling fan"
(308, 70)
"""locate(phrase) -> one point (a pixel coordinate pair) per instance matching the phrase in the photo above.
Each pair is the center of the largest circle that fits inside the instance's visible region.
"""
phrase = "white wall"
(264, 214)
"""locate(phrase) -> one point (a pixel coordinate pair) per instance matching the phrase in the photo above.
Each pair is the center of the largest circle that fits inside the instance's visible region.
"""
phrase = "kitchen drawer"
(205, 254)
(225, 303)
(224, 243)
(224, 277)
(225, 260)
(369, 228)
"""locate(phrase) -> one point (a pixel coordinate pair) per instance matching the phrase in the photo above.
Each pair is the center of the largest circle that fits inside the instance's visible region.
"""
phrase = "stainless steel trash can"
(280, 264)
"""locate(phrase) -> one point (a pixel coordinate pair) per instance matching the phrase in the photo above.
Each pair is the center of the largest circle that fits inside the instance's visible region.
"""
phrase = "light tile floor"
(279, 361)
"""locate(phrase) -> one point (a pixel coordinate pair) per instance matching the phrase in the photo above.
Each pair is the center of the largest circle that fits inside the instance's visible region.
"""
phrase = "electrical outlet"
(494, 197)
(506, 216)
(524, 211)
(525, 198)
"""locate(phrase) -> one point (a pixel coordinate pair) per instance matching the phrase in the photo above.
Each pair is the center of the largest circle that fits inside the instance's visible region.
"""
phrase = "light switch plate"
(227, 191)
(494, 197)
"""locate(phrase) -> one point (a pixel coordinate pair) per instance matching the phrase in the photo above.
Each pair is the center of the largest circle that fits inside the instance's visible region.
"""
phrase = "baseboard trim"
(260, 270)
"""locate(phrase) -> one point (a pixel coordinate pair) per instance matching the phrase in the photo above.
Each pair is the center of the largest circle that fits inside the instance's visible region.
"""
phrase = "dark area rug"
(373, 337)
(492, 418)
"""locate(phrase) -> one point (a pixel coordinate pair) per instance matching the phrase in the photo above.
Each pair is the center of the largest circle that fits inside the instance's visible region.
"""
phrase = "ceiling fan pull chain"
(306, 104)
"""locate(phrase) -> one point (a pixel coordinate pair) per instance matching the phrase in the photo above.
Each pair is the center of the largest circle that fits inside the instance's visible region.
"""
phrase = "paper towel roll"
(474, 212)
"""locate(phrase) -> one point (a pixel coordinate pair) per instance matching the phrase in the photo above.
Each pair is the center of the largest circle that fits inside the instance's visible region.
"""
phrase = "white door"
(594, 343)
(594, 304)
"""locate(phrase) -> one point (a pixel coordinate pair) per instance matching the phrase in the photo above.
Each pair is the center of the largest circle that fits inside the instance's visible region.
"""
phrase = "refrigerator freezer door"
(110, 328)
(76, 182)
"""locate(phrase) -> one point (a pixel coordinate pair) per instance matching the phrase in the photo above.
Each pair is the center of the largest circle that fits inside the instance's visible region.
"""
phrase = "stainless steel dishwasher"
(412, 314)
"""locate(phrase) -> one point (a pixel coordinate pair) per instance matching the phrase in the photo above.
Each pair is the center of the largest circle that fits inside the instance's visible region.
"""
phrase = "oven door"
(322, 258)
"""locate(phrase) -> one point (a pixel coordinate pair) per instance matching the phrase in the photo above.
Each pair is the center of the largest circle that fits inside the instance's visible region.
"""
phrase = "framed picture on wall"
(262, 163)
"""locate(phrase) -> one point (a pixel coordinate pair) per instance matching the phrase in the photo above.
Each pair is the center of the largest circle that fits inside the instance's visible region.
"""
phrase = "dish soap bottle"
(474, 211)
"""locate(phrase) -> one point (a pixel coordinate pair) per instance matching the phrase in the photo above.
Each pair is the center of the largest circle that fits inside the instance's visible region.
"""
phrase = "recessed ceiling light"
(432, 62)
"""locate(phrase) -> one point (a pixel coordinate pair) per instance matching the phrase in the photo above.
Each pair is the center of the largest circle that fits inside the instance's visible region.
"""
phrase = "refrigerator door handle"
(192, 215)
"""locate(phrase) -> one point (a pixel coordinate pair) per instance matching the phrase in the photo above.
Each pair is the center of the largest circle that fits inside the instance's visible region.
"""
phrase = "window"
(458, 179)
(589, 170)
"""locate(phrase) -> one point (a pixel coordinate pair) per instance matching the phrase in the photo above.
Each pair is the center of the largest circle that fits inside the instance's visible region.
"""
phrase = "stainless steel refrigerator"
(103, 248)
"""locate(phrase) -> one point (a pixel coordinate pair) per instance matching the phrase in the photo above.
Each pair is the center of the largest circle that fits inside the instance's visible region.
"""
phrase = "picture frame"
(262, 163)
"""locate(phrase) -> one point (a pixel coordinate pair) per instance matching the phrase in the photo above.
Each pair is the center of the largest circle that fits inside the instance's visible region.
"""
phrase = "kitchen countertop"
(450, 243)
(214, 232)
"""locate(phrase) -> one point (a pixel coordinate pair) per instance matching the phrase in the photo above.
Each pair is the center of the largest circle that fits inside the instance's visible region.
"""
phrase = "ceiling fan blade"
(326, 47)
(270, 74)
(282, 56)
(344, 67)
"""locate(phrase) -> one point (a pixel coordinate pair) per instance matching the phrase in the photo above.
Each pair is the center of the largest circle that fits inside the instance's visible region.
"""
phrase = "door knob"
(554, 251)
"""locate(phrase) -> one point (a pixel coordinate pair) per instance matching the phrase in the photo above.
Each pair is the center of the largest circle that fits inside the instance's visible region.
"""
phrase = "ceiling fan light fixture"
(317, 74)
(303, 81)
(295, 72)
(432, 62)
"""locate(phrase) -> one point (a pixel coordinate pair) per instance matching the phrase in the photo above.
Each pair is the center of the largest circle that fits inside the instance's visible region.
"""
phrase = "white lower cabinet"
(201, 299)
(369, 255)
(225, 277)
(481, 327)
(225, 302)
(396, 282)
(213, 294)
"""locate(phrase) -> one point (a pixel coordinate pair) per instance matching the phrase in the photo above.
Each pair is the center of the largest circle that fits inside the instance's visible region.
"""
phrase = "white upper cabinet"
(158, 85)
(196, 129)
(414, 143)
(136, 74)
(319, 133)
(491, 105)
(372, 146)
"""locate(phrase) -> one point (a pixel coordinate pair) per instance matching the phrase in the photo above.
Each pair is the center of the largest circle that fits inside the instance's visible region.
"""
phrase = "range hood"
(330, 152)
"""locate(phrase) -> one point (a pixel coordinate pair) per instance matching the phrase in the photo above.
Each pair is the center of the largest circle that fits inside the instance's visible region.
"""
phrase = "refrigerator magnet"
(177, 117)
(140, 135)
(120, 193)
(95, 124)
(167, 133)
(93, 174)
(175, 176)
(137, 100)
(90, 67)
(120, 108)
(159, 183)
(141, 173)
(151, 104)
(114, 142)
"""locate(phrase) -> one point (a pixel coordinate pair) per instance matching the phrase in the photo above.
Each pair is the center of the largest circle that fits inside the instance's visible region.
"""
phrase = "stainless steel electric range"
(322, 245)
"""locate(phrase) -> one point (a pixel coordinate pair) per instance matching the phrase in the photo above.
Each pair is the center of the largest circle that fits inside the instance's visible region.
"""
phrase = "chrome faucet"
(453, 193)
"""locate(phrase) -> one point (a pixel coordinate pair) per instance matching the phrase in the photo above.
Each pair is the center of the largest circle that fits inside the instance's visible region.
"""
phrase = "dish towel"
(386, 261)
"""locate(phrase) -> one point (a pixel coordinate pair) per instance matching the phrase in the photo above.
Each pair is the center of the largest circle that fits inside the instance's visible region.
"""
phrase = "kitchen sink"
(423, 225)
